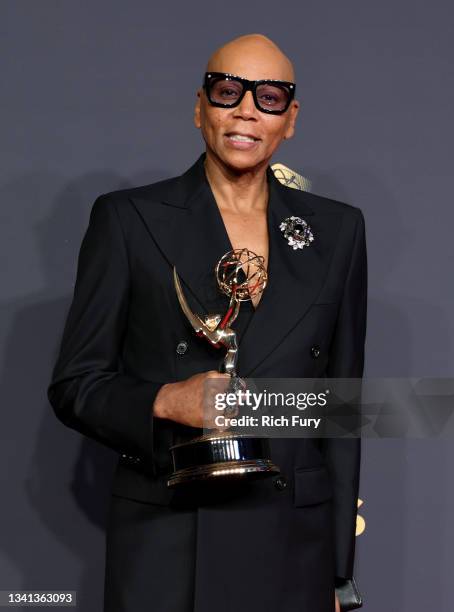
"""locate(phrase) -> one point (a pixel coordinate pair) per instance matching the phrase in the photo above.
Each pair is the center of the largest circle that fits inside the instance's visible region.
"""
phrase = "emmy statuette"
(241, 275)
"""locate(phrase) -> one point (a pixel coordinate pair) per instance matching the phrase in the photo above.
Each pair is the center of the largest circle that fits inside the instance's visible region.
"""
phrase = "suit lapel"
(186, 224)
(183, 219)
(295, 276)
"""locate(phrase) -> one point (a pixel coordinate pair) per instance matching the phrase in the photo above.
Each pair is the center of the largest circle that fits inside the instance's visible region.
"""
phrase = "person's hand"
(337, 607)
(191, 401)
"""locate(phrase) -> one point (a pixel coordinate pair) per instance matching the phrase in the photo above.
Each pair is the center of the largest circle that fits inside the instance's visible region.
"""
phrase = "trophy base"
(229, 469)
(221, 456)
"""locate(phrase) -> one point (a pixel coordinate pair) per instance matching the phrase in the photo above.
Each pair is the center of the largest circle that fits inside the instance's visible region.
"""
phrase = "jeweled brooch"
(297, 232)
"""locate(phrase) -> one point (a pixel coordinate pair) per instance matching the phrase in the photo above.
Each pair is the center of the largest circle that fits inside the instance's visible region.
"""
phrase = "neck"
(238, 191)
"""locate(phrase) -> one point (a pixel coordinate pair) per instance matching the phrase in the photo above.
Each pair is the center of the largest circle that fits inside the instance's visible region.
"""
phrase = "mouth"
(237, 137)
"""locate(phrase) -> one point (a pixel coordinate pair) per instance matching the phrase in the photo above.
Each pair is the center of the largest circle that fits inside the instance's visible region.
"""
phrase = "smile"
(241, 138)
(241, 142)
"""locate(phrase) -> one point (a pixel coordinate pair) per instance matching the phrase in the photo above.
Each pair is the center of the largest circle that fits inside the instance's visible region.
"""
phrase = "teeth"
(241, 138)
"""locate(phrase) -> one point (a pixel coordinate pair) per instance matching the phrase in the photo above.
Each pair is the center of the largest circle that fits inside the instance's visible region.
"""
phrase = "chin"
(242, 161)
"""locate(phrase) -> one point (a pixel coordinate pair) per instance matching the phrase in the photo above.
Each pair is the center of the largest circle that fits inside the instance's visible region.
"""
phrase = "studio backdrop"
(100, 96)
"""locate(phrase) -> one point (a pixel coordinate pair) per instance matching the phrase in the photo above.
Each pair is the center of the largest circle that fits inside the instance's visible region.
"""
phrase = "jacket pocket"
(312, 486)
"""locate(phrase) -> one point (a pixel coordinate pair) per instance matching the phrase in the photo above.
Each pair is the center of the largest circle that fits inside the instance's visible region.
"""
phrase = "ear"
(293, 113)
(197, 110)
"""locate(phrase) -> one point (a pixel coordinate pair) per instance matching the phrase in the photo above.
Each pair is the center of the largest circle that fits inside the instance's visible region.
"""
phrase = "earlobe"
(289, 133)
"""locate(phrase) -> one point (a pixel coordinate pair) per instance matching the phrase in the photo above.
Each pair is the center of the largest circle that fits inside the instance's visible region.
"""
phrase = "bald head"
(253, 56)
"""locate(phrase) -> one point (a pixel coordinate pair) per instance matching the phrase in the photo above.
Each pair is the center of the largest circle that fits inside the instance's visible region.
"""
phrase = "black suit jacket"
(124, 324)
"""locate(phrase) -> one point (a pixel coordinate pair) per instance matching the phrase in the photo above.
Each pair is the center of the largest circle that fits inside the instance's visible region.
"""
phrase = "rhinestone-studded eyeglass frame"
(248, 85)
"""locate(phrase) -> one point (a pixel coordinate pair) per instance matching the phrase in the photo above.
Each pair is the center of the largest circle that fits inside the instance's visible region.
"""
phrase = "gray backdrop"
(99, 96)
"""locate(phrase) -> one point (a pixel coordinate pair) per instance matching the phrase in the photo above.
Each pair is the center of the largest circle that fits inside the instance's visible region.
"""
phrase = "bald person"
(131, 371)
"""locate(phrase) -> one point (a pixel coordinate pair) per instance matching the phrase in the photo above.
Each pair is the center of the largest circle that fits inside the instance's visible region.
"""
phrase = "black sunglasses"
(227, 90)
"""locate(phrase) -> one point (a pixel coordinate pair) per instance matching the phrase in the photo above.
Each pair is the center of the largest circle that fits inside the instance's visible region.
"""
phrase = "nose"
(246, 107)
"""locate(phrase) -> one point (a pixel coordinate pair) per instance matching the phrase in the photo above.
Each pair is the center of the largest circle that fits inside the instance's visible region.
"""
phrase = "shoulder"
(347, 218)
(154, 190)
(121, 200)
(326, 205)
(296, 188)
(352, 218)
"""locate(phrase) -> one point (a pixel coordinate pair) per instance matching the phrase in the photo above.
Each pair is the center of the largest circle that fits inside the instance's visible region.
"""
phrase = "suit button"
(315, 351)
(182, 347)
(280, 483)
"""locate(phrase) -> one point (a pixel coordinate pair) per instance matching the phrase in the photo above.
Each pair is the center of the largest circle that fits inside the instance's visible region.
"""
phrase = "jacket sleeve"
(88, 391)
(346, 360)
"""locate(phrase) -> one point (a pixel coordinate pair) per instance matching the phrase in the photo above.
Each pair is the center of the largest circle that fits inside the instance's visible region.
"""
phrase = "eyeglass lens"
(269, 97)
